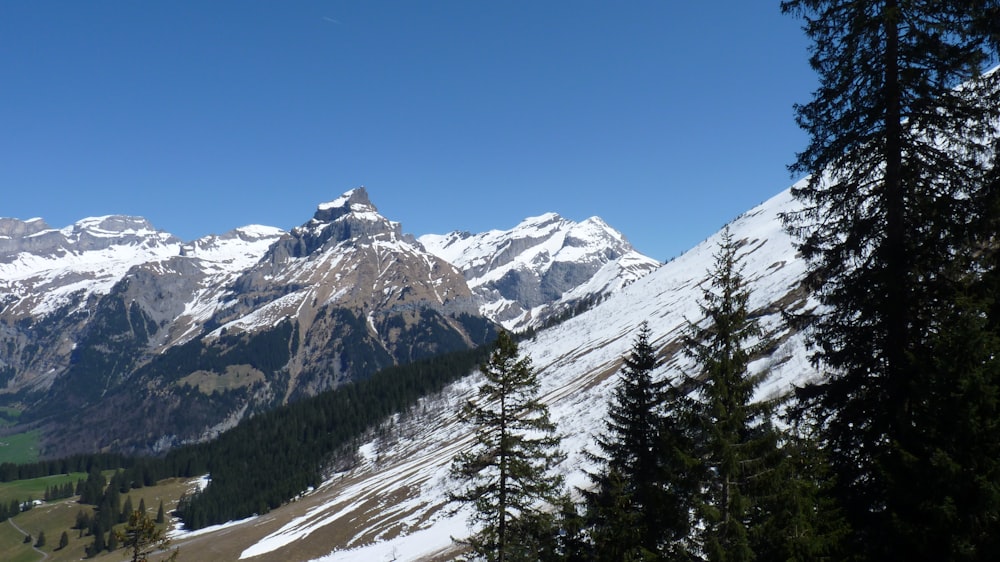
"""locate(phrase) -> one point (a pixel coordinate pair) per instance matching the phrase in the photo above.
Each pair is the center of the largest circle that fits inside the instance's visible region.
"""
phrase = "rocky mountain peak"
(350, 217)
(353, 201)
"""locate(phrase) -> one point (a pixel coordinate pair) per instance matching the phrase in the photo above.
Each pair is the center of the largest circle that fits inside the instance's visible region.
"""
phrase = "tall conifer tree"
(507, 469)
(640, 508)
(737, 442)
(902, 128)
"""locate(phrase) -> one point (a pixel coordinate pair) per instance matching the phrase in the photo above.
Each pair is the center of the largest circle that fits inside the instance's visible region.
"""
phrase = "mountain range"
(117, 336)
(392, 503)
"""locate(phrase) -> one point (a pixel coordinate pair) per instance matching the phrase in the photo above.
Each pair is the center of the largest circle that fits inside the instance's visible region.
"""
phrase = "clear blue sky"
(666, 118)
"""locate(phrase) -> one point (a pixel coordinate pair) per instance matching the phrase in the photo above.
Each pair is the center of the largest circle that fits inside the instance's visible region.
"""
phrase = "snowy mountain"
(114, 334)
(542, 268)
(43, 269)
(391, 506)
(51, 281)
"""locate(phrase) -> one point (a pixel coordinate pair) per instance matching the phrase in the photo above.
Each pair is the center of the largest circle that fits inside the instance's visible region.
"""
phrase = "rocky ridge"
(543, 268)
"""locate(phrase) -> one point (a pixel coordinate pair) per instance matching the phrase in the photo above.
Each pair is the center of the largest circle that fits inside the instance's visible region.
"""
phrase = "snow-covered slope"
(43, 269)
(391, 506)
(542, 267)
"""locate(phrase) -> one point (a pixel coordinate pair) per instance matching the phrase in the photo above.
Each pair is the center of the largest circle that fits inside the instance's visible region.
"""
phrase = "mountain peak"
(353, 201)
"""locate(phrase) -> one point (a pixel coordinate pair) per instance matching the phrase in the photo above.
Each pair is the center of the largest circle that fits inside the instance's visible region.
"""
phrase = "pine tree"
(63, 540)
(41, 540)
(160, 517)
(641, 504)
(736, 442)
(506, 472)
(99, 544)
(126, 510)
(112, 541)
(141, 538)
(892, 228)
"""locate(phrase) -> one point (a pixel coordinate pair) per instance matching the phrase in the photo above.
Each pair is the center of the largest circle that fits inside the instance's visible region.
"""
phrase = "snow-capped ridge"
(541, 267)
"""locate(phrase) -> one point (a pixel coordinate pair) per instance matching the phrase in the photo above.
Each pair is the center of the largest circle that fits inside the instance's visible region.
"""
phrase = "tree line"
(266, 460)
(894, 453)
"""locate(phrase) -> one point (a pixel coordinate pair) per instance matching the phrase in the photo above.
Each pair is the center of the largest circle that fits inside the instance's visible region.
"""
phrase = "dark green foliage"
(802, 523)
(160, 517)
(63, 541)
(112, 541)
(140, 538)
(93, 488)
(270, 458)
(41, 540)
(899, 229)
(99, 544)
(76, 463)
(736, 441)
(506, 472)
(250, 467)
(27, 539)
(643, 495)
(58, 492)
(127, 509)
(83, 520)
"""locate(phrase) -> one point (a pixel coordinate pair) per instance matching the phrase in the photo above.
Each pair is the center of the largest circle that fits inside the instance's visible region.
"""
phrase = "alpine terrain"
(391, 505)
(116, 336)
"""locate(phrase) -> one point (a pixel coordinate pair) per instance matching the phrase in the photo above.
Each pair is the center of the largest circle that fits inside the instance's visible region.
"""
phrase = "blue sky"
(665, 118)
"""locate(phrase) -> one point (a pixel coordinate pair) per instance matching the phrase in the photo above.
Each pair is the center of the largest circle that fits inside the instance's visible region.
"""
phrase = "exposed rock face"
(542, 267)
(351, 265)
(116, 335)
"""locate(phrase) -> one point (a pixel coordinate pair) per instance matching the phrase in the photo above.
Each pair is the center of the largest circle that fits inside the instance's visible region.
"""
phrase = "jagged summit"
(353, 201)
(350, 217)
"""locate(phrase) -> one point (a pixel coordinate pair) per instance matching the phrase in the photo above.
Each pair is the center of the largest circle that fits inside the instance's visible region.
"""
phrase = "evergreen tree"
(892, 226)
(736, 442)
(160, 517)
(41, 540)
(93, 489)
(126, 510)
(142, 505)
(641, 504)
(99, 544)
(63, 540)
(112, 541)
(141, 538)
(506, 470)
(83, 520)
